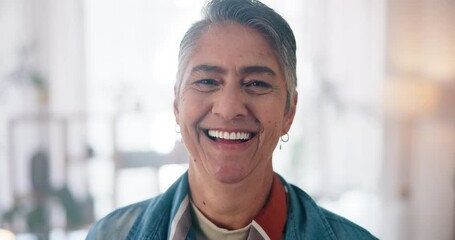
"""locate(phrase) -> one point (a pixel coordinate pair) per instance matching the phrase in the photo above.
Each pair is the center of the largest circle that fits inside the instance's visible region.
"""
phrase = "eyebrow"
(245, 70)
(258, 69)
(208, 68)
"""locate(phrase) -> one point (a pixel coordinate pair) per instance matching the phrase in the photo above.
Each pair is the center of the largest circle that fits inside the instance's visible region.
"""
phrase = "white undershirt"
(205, 229)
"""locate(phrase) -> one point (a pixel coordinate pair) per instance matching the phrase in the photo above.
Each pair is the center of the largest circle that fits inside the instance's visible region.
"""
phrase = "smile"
(230, 136)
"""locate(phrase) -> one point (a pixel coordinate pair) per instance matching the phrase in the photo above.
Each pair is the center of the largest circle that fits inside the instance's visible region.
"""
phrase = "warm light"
(440, 63)
(6, 235)
(410, 98)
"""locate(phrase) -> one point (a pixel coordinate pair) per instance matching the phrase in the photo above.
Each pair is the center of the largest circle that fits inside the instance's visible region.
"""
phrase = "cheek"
(192, 109)
(273, 123)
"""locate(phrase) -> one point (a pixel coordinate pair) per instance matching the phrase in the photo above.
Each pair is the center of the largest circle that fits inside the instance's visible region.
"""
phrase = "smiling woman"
(235, 96)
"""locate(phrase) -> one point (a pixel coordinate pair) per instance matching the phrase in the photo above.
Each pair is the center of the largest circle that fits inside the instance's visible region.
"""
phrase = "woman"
(235, 97)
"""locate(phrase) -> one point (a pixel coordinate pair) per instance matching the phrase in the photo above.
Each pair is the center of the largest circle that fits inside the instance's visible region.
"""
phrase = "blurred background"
(87, 126)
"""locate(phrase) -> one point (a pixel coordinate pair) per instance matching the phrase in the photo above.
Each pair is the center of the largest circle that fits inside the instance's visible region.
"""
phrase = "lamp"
(406, 98)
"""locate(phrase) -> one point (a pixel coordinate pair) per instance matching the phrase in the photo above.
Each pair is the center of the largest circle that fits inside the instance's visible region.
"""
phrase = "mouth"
(229, 137)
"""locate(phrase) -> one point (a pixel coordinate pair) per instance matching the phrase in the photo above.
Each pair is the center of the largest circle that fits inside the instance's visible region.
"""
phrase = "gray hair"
(253, 14)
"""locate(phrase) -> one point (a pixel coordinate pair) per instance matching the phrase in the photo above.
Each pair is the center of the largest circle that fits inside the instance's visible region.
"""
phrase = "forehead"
(229, 43)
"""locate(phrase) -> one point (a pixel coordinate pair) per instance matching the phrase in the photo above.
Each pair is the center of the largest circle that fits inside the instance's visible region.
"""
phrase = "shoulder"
(345, 229)
(147, 218)
(317, 219)
(117, 224)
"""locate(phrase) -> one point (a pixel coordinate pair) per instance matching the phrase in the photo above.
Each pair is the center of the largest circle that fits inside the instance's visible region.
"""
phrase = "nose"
(230, 104)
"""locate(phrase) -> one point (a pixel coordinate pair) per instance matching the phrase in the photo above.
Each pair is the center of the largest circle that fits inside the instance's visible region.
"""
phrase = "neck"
(230, 205)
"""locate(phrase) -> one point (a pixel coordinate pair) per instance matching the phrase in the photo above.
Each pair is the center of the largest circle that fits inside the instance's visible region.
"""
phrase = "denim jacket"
(167, 217)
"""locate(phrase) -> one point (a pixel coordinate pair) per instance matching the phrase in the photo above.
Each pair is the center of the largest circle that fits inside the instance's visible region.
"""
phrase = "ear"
(289, 117)
(176, 104)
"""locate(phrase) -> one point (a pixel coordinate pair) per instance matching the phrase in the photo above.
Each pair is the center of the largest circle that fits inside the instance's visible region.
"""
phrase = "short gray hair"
(253, 14)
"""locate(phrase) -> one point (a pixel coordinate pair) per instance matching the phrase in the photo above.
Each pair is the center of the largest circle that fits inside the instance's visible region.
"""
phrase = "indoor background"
(87, 126)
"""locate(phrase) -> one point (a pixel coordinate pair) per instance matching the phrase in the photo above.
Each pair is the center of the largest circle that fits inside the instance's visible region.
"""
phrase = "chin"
(230, 176)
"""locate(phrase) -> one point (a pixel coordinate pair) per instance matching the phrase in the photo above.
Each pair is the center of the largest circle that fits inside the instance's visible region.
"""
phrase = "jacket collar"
(268, 224)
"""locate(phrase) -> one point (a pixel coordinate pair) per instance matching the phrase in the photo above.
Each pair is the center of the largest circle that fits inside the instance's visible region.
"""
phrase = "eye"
(206, 85)
(258, 87)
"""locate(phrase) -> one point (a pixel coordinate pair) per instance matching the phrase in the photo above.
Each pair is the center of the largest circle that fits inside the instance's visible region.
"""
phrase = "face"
(231, 104)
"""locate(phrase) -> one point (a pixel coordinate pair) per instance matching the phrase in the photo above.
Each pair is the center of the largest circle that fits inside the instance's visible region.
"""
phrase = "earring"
(177, 128)
(286, 139)
(178, 136)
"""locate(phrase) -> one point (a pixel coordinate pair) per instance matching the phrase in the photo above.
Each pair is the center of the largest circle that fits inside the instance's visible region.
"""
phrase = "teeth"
(229, 135)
